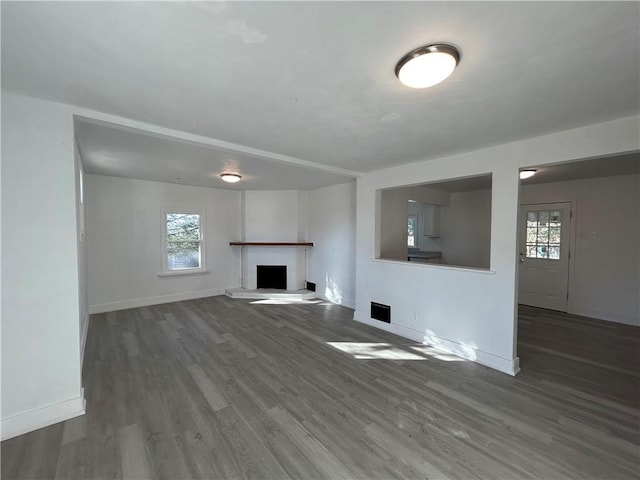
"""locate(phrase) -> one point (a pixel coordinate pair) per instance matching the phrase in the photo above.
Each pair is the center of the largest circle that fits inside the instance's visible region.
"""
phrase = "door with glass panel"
(545, 231)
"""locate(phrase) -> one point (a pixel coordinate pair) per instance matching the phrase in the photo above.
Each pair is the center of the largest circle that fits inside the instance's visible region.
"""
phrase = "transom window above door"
(543, 234)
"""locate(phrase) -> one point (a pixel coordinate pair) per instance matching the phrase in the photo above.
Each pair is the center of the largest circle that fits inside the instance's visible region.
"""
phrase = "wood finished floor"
(221, 388)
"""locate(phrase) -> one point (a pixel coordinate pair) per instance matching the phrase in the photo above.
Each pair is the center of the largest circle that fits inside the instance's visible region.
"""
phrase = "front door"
(544, 234)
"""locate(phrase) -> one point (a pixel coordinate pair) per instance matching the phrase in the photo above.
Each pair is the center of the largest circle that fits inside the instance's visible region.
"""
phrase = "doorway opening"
(579, 263)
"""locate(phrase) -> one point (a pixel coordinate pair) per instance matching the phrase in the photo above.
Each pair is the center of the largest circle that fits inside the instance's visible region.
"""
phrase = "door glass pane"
(543, 218)
(554, 235)
(543, 234)
(543, 231)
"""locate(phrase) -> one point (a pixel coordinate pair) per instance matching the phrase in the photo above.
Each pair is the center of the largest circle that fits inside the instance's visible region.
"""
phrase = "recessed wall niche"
(446, 222)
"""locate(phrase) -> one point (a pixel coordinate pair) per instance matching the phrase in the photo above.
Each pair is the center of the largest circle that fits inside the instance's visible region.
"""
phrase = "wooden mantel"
(272, 244)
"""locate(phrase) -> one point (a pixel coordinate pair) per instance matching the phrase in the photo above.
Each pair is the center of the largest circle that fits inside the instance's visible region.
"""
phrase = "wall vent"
(381, 312)
(311, 286)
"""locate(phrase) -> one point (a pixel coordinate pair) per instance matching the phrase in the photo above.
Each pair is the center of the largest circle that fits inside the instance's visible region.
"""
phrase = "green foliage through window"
(411, 231)
(543, 234)
(183, 241)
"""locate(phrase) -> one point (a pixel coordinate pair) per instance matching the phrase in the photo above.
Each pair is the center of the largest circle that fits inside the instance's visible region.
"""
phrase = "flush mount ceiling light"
(426, 66)
(230, 177)
(527, 173)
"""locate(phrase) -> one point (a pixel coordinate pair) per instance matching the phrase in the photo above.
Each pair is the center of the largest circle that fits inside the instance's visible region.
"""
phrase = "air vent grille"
(381, 312)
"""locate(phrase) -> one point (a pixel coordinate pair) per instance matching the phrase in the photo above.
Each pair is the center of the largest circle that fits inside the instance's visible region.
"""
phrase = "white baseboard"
(83, 339)
(41, 417)
(145, 302)
(504, 365)
(606, 316)
(345, 302)
(349, 302)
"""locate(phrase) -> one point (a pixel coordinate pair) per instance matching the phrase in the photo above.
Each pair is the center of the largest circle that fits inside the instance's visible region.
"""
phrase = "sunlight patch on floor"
(370, 351)
(387, 351)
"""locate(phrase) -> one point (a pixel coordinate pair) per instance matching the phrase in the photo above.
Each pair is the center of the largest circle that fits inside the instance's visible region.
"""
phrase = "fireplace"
(272, 276)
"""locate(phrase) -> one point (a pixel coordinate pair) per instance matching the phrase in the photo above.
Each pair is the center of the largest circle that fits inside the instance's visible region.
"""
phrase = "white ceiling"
(315, 80)
(625, 164)
(108, 149)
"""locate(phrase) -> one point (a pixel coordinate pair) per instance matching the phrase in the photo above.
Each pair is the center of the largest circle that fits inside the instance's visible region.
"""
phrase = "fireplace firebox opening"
(272, 276)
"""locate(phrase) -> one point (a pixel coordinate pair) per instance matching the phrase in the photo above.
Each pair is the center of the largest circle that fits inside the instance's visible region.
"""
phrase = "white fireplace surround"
(293, 257)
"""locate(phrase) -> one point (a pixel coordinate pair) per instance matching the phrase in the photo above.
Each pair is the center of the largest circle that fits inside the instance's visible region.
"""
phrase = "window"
(543, 234)
(411, 231)
(183, 239)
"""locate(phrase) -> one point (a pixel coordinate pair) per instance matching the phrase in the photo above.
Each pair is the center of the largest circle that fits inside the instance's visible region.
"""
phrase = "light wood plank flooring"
(221, 388)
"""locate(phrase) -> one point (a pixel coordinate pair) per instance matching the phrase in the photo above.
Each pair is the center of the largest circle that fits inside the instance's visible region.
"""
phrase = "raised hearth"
(270, 294)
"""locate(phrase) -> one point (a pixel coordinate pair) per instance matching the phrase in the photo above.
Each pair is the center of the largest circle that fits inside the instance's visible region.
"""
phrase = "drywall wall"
(274, 216)
(393, 224)
(604, 275)
(465, 229)
(124, 243)
(40, 308)
(465, 311)
(332, 226)
(271, 215)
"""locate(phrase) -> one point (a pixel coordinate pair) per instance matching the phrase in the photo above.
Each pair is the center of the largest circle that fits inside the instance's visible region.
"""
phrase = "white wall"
(393, 224)
(124, 219)
(275, 216)
(332, 226)
(465, 229)
(604, 278)
(271, 215)
(468, 312)
(40, 306)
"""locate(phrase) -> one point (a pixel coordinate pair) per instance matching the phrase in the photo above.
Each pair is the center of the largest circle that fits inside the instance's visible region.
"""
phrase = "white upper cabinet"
(431, 220)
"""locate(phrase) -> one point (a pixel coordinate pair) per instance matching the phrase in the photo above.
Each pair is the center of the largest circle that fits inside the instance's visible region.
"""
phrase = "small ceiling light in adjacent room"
(527, 173)
(426, 66)
(230, 177)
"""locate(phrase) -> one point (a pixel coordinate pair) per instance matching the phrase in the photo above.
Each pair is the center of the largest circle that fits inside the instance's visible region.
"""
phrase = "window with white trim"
(411, 230)
(183, 241)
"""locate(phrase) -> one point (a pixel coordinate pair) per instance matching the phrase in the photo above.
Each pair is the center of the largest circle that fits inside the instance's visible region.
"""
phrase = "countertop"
(421, 254)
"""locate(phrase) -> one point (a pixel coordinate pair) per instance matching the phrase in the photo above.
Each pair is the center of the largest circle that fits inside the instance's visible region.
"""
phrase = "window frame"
(165, 270)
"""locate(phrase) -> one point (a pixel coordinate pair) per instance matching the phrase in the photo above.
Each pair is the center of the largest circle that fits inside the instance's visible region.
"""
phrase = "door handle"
(521, 257)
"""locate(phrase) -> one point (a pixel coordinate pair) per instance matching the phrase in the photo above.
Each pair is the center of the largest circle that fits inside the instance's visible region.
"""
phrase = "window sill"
(178, 273)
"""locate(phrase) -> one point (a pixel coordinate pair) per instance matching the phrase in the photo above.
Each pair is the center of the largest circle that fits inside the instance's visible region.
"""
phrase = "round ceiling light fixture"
(527, 173)
(230, 177)
(428, 65)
